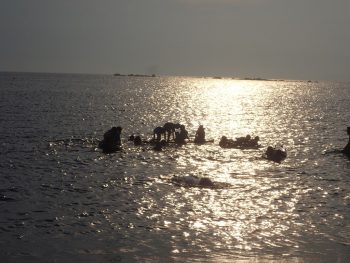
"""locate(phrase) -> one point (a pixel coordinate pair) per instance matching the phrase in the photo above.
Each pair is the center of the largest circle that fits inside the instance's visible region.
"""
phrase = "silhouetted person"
(243, 140)
(111, 140)
(137, 141)
(169, 129)
(346, 149)
(269, 152)
(159, 145)
(253, 142)
(200, 135)
(157, 133)
(223, 142)
(240, 143)
(226, 143)
(180, 137)
(107, 135)
(276, 155)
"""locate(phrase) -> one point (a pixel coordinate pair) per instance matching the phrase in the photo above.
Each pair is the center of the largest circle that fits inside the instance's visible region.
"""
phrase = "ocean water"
(63, 200)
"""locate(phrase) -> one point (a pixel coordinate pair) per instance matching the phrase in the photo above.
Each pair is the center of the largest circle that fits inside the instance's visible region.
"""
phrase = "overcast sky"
(293, 39)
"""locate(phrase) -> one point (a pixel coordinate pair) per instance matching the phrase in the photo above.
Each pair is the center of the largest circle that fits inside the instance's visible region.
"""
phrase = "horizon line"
(180, 76)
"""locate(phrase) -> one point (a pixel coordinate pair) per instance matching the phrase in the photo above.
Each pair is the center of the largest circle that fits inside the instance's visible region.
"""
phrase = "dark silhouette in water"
(169, 129)
(111, 140)
(346, 149)
(200, 182)
(157, 133)
(192, 181)
(159, 145)
(205, 182)
(225, 142)
(240, 142)
(182, 136)
(199, 138)
(275, 154)
(137, 141)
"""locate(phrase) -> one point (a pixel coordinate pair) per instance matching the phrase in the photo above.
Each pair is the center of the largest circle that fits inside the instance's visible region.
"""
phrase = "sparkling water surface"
(63, 200)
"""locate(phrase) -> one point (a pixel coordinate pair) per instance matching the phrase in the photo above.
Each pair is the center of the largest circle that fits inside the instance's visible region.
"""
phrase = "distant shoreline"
(175, 76)
(133, 75)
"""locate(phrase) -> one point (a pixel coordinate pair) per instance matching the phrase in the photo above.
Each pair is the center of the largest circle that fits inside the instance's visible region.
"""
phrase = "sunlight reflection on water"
(295, 209)
(260, 207)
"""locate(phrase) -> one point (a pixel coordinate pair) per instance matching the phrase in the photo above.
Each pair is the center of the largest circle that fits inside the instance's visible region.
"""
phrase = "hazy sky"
(294, 39)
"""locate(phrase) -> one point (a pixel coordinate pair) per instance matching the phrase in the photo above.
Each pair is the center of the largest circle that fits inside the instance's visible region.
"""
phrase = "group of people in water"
(177, 133)
(162, 136)
(246, 142)
(112, 138)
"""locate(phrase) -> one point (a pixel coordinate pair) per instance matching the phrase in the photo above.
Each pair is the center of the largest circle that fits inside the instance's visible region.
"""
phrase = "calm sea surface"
(63, 200)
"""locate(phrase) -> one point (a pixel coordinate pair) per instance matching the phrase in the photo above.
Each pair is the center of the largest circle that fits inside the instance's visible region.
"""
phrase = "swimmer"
(276, 155)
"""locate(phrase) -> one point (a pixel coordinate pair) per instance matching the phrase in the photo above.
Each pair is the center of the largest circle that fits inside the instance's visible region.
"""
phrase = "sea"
(63, 200)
